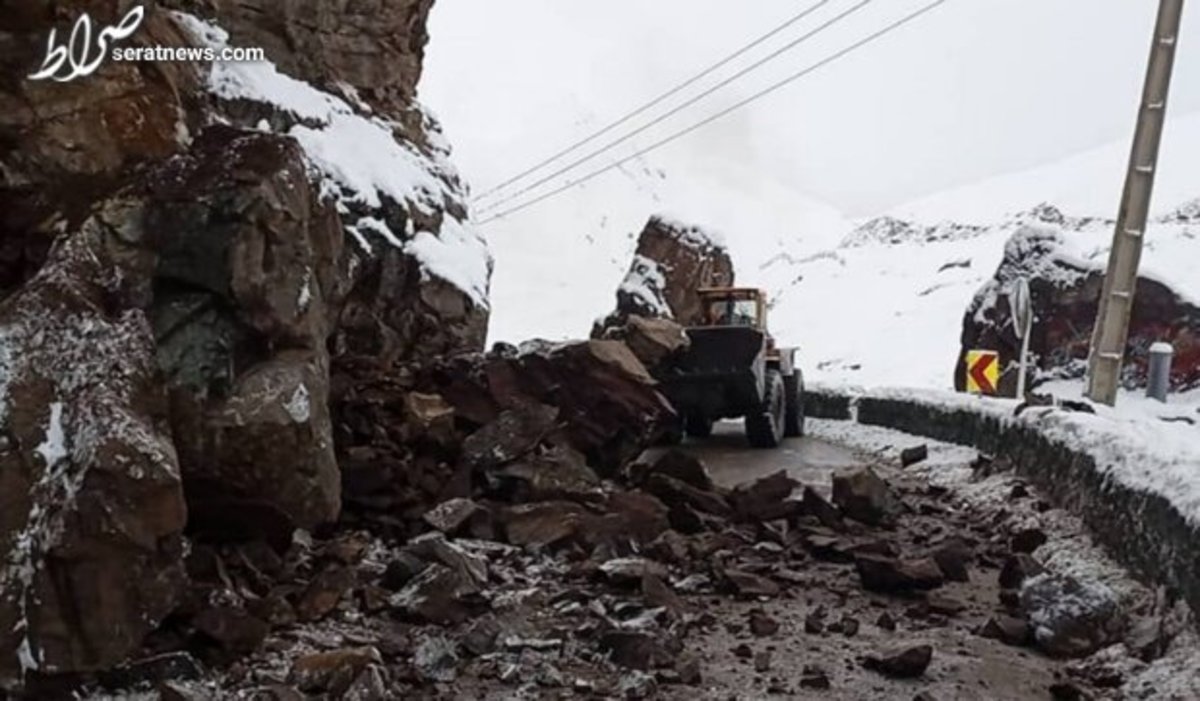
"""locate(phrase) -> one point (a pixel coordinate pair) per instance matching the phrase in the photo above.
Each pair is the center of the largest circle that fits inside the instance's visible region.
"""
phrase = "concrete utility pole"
(1116, 302)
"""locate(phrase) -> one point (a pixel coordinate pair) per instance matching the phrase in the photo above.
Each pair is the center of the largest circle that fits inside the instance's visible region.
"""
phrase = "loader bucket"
(720, 374)
(722, 349)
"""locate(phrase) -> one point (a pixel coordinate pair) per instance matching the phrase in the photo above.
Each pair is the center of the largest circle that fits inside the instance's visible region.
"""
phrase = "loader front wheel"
(794, 390)
(765, 428)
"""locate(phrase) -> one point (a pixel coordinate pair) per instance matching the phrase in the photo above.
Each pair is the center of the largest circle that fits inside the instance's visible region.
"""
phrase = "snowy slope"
(1086, 184)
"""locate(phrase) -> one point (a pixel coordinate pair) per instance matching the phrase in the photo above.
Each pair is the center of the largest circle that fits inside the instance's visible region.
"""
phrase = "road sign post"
(1021, 302)
(983, 372)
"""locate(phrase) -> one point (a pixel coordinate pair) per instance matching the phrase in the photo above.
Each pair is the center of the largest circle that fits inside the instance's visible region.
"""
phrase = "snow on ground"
(361, 162)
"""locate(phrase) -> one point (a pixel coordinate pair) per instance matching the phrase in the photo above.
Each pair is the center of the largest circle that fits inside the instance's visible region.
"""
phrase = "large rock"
(1065, 293)
(888, 575)
(66, 144)
(608, 406)
(545, 422)
(653, 340)
(247, 283)
(864, 496)
(1070, 617)
(91, 504)
(671, 262)
(376, 48)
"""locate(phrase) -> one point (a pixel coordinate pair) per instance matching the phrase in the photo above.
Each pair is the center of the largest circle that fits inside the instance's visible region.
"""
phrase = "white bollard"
(1158, 376)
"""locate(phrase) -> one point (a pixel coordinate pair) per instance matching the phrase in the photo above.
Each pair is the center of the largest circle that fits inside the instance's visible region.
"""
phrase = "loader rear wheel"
(794, 390)
(765, 428)
(698, 426)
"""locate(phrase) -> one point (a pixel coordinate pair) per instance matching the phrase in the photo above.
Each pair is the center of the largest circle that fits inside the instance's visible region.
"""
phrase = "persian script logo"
(76, 58)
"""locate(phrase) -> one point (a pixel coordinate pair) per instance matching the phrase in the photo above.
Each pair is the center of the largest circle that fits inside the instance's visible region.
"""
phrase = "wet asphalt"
(732, 461)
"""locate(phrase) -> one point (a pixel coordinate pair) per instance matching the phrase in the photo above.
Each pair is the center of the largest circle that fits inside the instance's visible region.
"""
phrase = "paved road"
(732, 462)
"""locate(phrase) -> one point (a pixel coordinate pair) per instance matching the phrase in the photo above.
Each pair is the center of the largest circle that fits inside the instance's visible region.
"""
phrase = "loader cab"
(730, 306)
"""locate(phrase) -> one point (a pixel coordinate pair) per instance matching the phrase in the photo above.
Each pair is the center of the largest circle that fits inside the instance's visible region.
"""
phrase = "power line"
(676, 110)
(753, 98)
(658, 100)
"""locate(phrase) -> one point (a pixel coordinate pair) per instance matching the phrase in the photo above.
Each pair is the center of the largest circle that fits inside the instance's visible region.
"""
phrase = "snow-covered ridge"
(1186, 213)
(892, 231)
(360, 162)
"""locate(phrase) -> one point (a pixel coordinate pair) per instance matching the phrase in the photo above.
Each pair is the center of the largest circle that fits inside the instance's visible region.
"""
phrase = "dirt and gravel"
(708, 573)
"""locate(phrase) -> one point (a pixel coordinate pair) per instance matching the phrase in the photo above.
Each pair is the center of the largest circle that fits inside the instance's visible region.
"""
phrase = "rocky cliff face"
(190, 255)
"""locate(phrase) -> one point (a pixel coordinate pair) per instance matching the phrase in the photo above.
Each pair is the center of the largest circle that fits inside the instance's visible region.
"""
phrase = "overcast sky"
(977, 88)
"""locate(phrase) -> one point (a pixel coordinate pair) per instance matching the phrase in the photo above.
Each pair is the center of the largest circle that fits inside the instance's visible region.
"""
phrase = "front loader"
(733, 369)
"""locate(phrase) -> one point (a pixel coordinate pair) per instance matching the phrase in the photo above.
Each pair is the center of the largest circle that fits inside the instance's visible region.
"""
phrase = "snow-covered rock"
(673, 260)
(886, 308)
(91, 499)
(1066, 289)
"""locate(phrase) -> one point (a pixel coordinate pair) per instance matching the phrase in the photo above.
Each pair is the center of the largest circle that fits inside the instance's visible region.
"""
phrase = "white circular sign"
(1021, 301)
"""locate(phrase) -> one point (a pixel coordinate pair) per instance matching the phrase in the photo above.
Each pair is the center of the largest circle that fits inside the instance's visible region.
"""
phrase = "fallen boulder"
(608, 406)
(905, 662)
(640, 650)
(439, 594)
(1006, 629)
(653, 340)
(889, 575)
(672, 261)
(1017, 569)
(1070, 617)
(864, 496)
(457, 516)
(241, 340)
(553, 471)
(91, 501)
(542, 524)
(766, 499)
(954, 558)
(684, 467)
(332, 672)
(513, 434)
